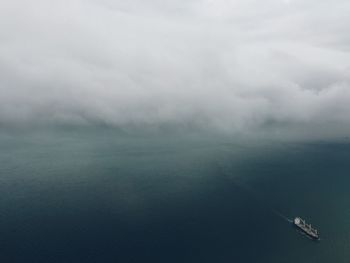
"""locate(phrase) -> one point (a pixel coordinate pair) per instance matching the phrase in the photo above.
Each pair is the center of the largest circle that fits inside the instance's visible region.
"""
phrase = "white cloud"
(232, 65)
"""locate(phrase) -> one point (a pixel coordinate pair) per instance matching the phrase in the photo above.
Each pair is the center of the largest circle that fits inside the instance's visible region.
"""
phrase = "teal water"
(105, 196)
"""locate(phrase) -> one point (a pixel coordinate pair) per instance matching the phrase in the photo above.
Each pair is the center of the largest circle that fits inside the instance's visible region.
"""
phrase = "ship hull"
(314, 237)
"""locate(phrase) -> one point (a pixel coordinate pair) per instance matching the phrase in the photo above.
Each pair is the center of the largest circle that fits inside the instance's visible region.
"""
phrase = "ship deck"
(298, 222)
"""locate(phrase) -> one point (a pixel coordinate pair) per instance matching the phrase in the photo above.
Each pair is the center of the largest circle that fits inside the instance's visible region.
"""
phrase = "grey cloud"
(236, 66)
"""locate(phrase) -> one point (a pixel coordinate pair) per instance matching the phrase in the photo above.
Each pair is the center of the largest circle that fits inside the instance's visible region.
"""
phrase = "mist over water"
(277, 67)
(174, 131)
(99, 195)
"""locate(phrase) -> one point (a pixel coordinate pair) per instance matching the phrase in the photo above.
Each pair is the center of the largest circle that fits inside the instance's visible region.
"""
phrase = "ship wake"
(282, 216)
(257, 197)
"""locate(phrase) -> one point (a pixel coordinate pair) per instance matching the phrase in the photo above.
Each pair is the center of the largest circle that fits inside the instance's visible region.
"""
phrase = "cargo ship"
(306, 228)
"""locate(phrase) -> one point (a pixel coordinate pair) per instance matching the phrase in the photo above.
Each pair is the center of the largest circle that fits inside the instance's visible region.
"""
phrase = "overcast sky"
(232, 65)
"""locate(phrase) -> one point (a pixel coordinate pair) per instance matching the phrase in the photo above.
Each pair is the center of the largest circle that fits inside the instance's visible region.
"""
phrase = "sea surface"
(102, 195)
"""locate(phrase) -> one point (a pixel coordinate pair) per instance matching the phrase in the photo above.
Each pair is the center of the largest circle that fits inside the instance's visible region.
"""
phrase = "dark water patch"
(106, 197)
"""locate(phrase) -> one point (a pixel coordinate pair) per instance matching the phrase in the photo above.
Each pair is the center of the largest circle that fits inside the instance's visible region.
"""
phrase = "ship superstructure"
(306, 228)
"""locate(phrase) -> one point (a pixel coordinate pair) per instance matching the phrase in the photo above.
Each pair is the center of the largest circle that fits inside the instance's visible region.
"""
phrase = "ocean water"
(100, 195)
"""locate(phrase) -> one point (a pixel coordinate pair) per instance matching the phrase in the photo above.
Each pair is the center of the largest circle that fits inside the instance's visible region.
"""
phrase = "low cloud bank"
(235, 66)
